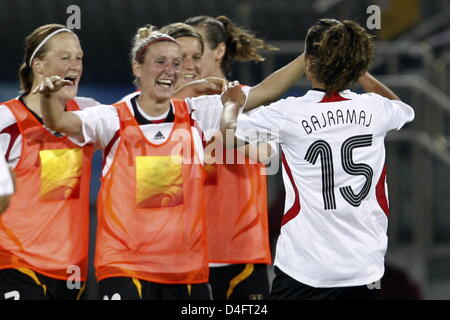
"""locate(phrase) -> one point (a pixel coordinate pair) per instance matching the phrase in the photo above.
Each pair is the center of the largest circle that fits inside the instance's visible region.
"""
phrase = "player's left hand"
(234, 94)
(50, 85)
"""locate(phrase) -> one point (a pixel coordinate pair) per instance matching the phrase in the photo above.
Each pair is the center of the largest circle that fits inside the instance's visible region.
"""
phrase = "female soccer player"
(151, 238)
(44, 232)
(192, 47)
(238, 235)
(333, 236)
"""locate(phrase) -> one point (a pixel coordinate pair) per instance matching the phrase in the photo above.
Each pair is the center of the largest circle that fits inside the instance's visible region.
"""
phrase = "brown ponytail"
(241, 44)
(340, 52)
(25, 78)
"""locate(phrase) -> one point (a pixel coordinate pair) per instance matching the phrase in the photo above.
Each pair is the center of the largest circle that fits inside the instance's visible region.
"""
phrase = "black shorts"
(127, 288)
(285, 287)
(26, 284)
(239, 282)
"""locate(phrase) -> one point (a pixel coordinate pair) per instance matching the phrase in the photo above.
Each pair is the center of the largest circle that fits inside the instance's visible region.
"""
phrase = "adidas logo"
(159, 136)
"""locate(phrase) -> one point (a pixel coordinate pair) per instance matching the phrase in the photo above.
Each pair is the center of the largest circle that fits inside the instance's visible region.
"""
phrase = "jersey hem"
(334, 284)
(254, 261)
(123, 275)
(44, 273)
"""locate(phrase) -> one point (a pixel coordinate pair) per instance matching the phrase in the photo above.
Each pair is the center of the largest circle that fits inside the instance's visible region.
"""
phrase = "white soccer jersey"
(333, 231)
(6, 183)
(10, 137)
(101, 124)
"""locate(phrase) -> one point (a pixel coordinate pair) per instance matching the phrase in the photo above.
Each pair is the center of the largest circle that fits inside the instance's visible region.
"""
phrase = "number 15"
(322, 148)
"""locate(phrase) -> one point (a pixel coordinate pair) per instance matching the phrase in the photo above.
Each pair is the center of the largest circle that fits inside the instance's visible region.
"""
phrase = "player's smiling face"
(192, 60)
(210, 59)
(64, 58)
(160, 70)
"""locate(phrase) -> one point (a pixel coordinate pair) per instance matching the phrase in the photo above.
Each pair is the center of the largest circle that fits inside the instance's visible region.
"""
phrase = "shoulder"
(366, 96)
(128, 100)
(283, 106)
(310, 97)
(203, 99)
(204, 102)
(85, 102)
(376, 99)
(6, 117)
(102, 111)
(181, 105)
(130, 96)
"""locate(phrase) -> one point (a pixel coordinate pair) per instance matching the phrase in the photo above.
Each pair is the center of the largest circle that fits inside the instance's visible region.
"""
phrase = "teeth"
(189, 76)
(168, 82)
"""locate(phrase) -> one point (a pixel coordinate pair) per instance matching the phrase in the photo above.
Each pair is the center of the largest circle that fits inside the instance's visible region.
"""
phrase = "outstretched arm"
(370, 84)
(53, 113)
(272, 87)
(207, 86)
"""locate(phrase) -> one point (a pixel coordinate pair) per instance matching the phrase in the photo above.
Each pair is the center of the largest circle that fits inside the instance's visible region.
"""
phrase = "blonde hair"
(140, 39)
(143, 38)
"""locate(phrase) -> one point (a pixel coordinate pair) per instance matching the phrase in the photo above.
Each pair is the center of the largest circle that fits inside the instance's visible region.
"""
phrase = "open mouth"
(166, 83)
(189, 77)
(71, 78)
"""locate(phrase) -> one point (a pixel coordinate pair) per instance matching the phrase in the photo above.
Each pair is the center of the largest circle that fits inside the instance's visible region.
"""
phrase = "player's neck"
(151, 107)
(221, 75)
(317, 85)
(33, 102)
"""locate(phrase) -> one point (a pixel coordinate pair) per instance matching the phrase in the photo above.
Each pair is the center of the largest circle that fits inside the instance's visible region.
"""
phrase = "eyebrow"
(69, 52)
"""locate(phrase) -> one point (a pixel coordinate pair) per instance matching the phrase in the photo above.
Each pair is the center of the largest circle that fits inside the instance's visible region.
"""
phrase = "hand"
(211, 85)
(50, 85)
(234, 95)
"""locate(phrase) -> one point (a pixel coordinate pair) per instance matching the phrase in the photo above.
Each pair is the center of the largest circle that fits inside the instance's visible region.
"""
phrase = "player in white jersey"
(6, 185)
(333, 231)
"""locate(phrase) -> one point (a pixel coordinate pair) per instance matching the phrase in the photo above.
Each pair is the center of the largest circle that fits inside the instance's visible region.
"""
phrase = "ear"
(137, 70)
(307, 64)
(220, 51)
(308, 73)
(37, 65)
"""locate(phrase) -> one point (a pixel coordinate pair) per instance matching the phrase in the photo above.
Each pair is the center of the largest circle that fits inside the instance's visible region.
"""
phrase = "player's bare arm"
(370, 84)
(272, 87)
